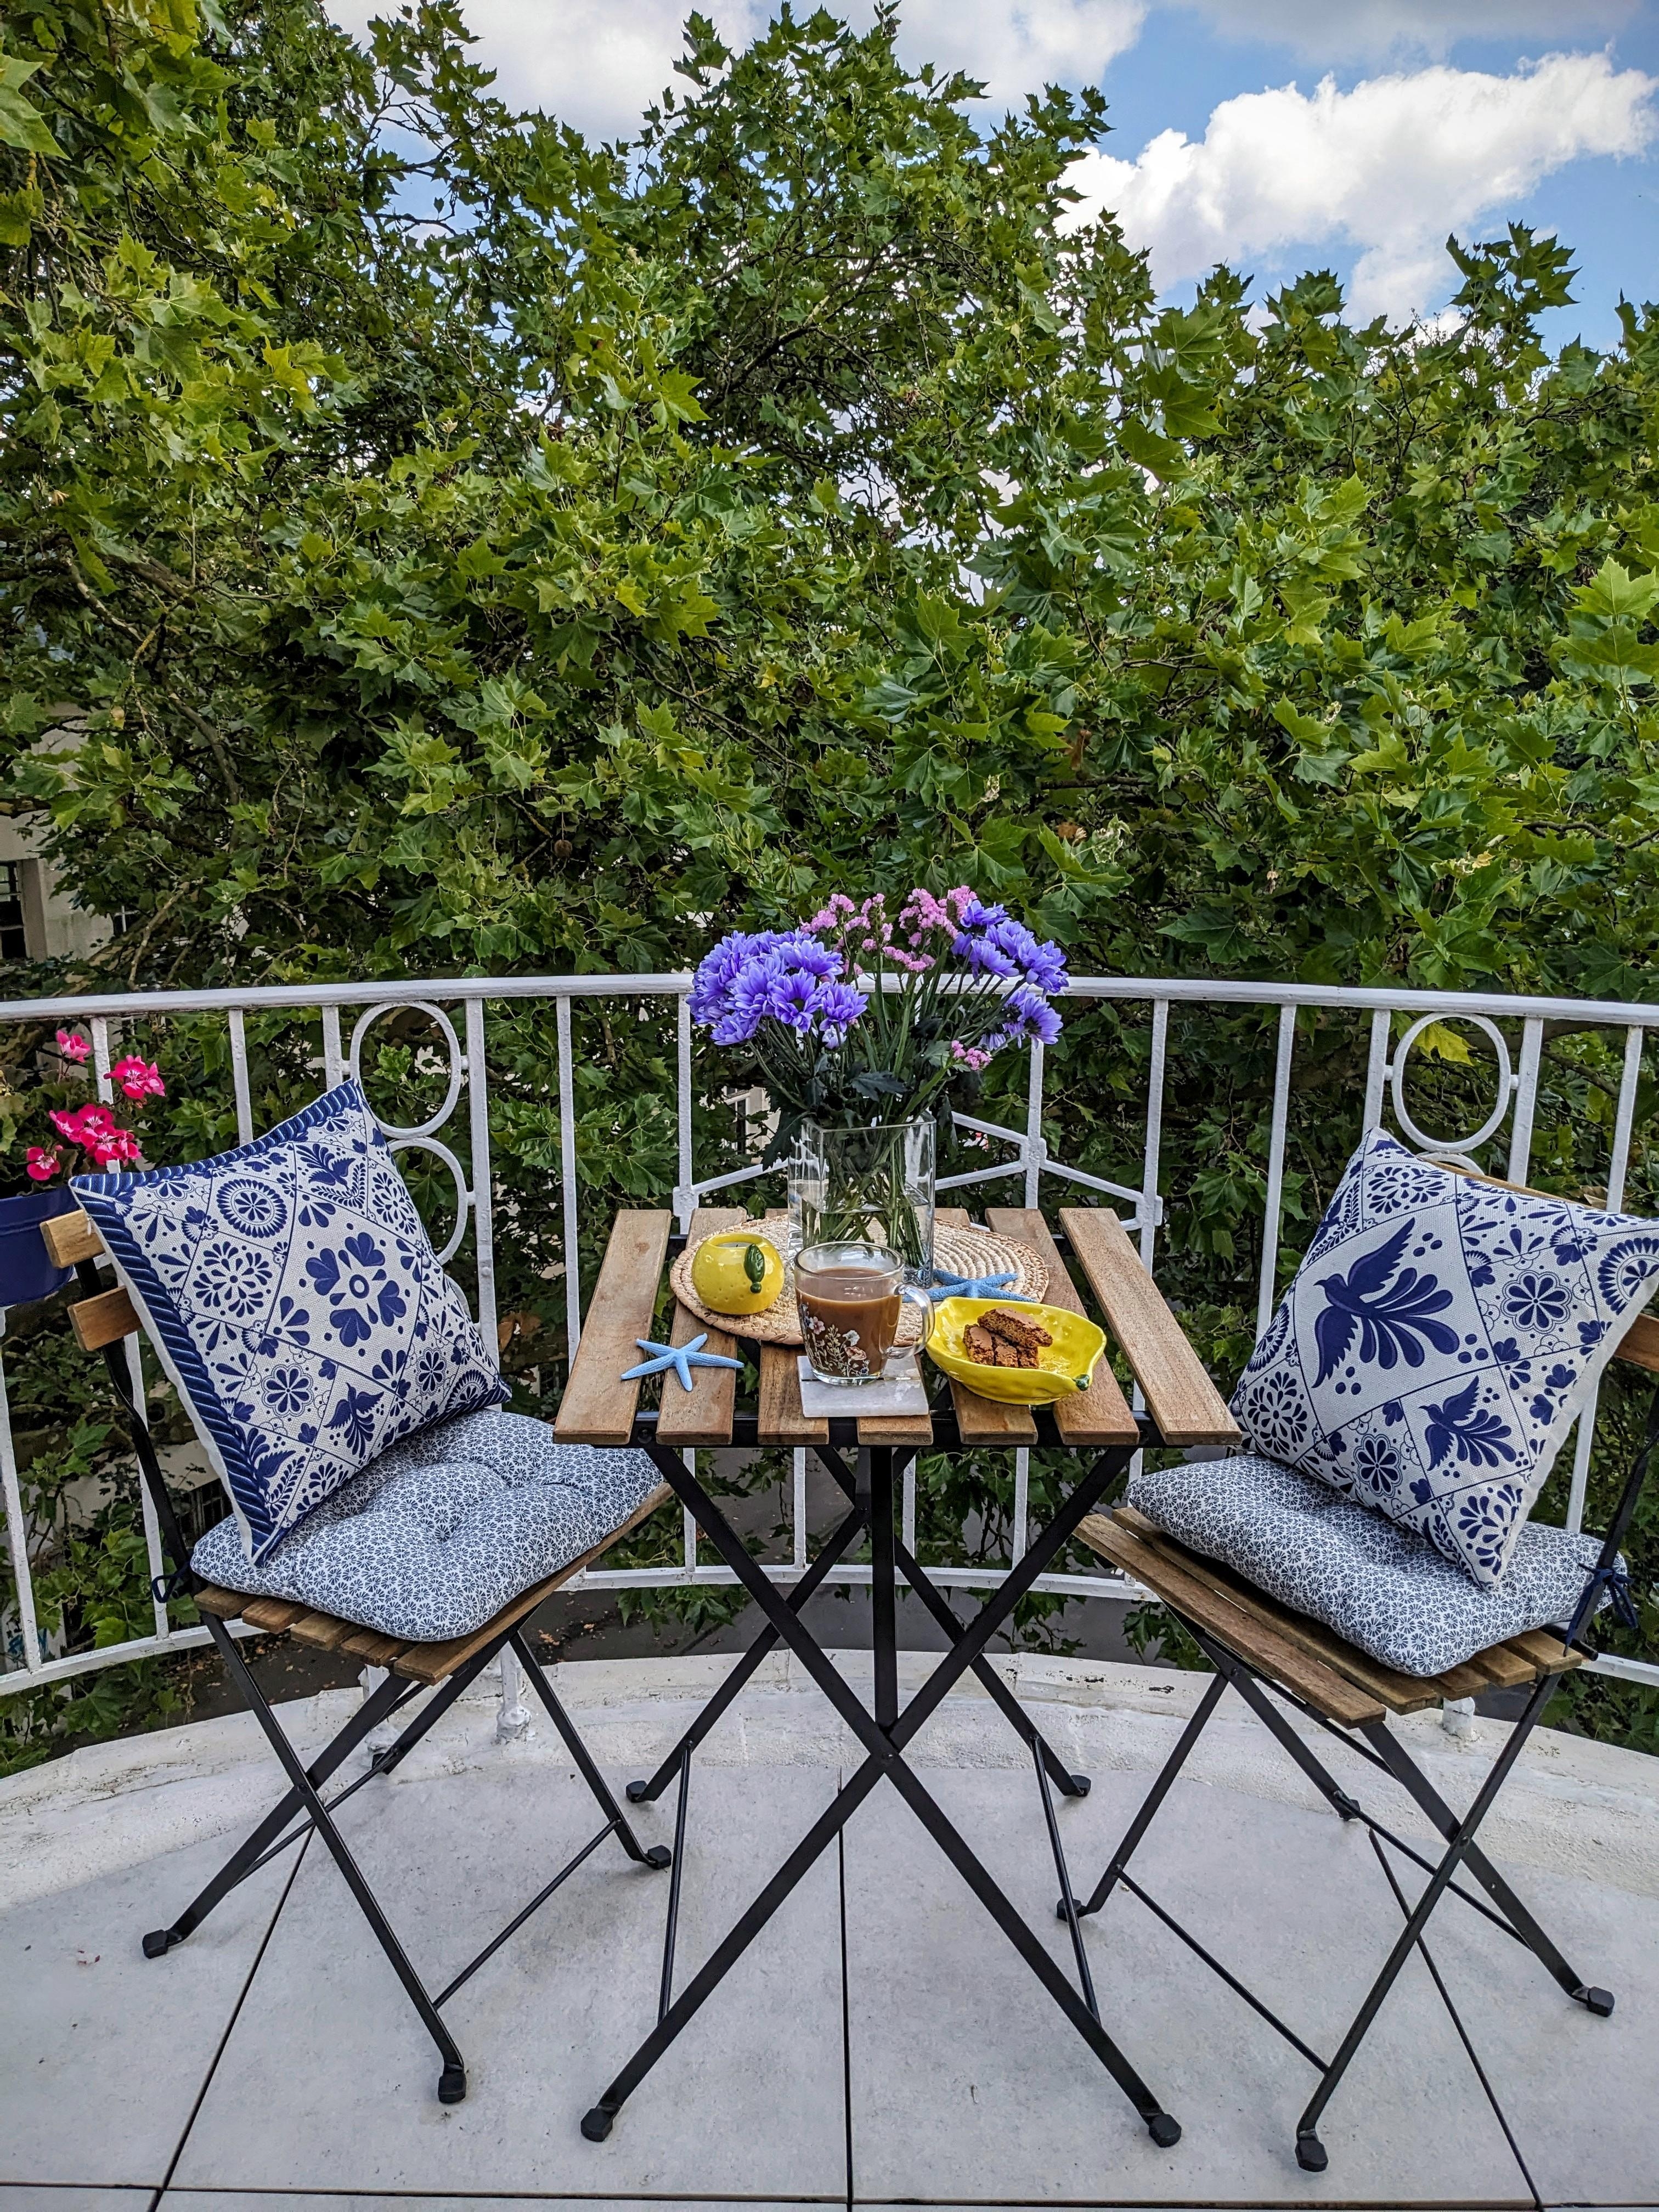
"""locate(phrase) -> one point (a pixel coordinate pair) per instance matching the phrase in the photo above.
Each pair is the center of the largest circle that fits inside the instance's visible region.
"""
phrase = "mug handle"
(913, 1293)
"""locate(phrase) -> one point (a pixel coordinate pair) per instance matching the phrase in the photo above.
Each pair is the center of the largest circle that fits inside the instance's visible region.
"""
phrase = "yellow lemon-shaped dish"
(736, 1272)
(1066, 1365)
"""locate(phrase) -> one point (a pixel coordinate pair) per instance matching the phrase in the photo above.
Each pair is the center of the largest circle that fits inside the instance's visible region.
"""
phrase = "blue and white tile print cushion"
(297, 1305)
(1384, 1588)
(1437, 1342)
(444, 1529)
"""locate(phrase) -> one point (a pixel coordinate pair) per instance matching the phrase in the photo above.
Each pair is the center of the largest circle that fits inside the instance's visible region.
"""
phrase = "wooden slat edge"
(325, 1630)
(597, 1407)
(70, 1238)
(1334, 1694)
(223, 1604)
(1639, 1344)
(434, 1662)
(983, 1420)
(103, 1319)
(1547, 1653)
(272, 1613)
(1184, 1401)
(782, 1420)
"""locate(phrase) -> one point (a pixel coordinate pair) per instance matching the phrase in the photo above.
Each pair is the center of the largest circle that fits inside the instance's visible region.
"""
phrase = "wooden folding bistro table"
(1183, 1408)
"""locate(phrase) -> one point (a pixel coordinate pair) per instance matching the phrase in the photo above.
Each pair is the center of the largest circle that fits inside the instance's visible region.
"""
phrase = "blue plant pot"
(26, 1271)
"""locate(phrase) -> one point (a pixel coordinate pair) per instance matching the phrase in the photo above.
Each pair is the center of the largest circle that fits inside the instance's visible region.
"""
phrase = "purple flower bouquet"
(859, 1016)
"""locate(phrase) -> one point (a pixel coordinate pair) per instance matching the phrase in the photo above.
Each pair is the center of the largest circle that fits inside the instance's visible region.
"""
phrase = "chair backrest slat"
(103, 1319)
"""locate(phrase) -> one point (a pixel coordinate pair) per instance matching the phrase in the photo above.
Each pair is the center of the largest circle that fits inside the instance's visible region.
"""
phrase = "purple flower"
(787, 977)
(1026, 1013)
(993, 943)
(711, 986)
(803, 953)
(748, 1000)
(839, 1006)
(793, 998)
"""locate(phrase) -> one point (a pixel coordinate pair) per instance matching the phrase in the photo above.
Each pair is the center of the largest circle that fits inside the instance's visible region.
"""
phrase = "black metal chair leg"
(1428, 1798)
(1147, 1811)
(1241, 1679)
(451, 2080)
(243, 1860)
(1310, 2154)
(659, 1855)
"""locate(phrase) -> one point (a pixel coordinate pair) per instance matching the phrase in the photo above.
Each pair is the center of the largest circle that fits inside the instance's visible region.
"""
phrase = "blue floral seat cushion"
(1383, 1587)
(296, 1303)
(1437, 1344)
(444, 1529)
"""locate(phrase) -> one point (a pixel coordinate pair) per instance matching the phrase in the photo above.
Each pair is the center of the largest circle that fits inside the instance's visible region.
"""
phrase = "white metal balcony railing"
(32, 1662)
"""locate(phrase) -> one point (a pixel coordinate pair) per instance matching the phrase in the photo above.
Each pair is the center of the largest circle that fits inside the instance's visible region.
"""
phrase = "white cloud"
(598, 62)
(1376, 30)
(1389, 167)
(1016, 50)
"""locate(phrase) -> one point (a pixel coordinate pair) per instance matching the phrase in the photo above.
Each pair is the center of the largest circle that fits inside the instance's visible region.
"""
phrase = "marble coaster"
(899, 1390)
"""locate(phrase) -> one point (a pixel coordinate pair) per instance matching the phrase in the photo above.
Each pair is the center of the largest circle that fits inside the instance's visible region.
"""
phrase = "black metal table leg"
(641, 1793)
(876, 1483)
(1068, 1784)
(883, 1746)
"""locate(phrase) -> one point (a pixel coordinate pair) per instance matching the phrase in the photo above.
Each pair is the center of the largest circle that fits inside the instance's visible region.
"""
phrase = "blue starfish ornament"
(681, 1357)
(947, 1285)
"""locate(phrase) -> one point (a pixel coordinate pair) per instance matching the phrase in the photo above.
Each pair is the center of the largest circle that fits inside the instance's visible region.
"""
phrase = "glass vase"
(873, 1183)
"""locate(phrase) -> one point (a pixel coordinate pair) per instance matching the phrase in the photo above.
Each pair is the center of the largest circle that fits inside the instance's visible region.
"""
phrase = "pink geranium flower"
(43, 1162)
(72, 1044)
(138, 1079)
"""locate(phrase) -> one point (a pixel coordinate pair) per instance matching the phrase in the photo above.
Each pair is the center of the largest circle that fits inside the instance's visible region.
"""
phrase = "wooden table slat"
(782, 1420)
(1100, 1414)
(598, 1408)
(983, 1420)
(704, 1417)
(1184, 1401)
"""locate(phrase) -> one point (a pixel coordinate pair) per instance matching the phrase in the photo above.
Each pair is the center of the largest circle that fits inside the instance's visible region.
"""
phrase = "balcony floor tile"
(105, 2051)
(968, 2082)
(329, 2080)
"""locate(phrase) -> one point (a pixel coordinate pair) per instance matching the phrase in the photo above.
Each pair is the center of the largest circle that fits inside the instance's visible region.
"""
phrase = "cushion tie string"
(180, 1583)
(1613, 1584)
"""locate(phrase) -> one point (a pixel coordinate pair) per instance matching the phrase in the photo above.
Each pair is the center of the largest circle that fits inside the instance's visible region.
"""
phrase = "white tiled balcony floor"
(881, 2043)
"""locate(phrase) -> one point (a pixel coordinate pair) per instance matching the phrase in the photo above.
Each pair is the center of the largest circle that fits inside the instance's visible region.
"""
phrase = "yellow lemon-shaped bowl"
(736, 1272)
(1066, 1365)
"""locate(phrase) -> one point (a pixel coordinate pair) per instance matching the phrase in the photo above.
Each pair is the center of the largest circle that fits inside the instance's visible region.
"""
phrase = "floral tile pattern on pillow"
(297, 1305)
(1438, 1343)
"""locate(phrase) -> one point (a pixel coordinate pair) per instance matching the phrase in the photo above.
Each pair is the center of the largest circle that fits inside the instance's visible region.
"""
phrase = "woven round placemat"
(958, 1251)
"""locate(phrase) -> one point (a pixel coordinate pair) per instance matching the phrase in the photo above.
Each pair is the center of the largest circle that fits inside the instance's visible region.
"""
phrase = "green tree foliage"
(453, 546)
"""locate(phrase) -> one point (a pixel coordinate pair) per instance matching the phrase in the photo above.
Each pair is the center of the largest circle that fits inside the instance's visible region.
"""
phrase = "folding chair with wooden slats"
(1274, 1658)
(102, 1321)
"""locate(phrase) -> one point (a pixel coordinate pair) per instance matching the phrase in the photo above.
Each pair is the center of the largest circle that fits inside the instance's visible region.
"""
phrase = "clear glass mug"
(850, 1295)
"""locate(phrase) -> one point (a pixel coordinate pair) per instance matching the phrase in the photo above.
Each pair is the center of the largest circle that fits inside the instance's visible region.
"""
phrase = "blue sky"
(1277, 135)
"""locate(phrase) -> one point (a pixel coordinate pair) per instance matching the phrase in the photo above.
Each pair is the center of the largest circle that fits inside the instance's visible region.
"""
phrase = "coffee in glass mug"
(850, 1295)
